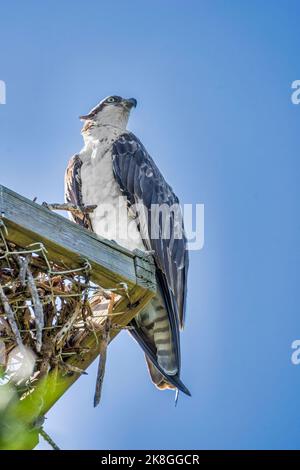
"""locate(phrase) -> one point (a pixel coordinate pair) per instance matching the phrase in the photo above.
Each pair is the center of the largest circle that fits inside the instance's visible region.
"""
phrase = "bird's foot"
(149, 253)
(144, 253)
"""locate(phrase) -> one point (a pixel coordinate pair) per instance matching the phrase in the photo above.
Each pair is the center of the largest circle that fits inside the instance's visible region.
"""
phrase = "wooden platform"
(27, 222)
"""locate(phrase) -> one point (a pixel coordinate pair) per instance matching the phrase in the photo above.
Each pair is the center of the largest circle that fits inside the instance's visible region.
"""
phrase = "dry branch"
(70, 207)
(10, 317)
(103, 343)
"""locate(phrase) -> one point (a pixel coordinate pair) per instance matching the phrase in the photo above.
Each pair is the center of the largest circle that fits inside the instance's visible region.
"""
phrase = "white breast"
(111, 219)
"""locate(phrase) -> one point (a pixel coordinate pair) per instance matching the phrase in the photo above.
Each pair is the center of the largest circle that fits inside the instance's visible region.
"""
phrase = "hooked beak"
(129, 103)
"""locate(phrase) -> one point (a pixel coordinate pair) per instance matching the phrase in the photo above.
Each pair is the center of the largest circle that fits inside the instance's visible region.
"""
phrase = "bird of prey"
(115, 170)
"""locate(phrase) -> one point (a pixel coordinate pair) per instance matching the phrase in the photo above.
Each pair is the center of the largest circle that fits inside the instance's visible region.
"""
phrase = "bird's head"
(113, 110)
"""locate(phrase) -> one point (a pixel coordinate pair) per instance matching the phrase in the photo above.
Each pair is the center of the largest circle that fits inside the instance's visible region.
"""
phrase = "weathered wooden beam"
(66, 242)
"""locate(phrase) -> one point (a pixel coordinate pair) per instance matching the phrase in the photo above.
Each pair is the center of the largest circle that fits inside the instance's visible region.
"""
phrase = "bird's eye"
(110, 100)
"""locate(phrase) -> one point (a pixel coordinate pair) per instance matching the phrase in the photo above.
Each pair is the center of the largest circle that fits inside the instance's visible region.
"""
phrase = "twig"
(11, 318)
(103, 343)
(48, 439)
(70, 207)
(23, 264)
(4, 327)
(71, 368)
(25, 274)
(61, 335)
(101, 365)
(38, 309)
(48, 352)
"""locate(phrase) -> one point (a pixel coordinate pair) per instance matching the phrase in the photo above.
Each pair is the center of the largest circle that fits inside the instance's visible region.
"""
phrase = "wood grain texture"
(66, 242)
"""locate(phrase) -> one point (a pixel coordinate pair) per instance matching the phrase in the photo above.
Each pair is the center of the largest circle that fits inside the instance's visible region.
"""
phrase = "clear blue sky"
(212, 79)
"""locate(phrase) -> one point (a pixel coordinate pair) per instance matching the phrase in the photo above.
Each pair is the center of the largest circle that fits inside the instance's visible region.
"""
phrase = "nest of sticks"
(46, 310)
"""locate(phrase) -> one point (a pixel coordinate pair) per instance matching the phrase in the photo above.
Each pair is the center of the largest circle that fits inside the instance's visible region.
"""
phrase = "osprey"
(115, 172)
